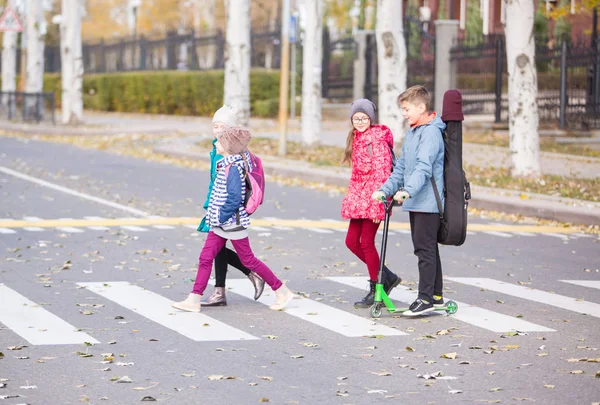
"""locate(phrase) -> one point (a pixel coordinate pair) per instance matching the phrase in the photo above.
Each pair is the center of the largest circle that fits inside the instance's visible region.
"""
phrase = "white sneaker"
(283, 296)
(191, 303)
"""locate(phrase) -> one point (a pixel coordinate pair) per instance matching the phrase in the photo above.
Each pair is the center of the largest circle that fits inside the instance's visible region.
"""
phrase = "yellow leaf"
(450, 356)
(548, 386)
(577, 372)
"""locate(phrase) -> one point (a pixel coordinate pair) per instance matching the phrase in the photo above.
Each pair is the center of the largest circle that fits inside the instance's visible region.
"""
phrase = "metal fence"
(27, 107)
(173, 52)
(568, 79)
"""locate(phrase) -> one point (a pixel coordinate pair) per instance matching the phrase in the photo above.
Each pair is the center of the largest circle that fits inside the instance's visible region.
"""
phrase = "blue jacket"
(214, 158)
(422, 156)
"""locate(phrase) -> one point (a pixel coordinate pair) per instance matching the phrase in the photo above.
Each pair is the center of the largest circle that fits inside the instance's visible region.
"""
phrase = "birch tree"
(523, 115)
(71, 61)
(237, 62)
(205, 22)
(36, 30)
(391, 58)
(311, 72)
(9, 58)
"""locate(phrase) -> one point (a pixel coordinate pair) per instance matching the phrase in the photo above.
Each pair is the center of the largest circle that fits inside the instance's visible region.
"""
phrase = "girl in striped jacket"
(229, 220)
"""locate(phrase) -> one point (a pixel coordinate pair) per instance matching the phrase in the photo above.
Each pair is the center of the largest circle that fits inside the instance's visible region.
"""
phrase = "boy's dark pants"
(423, 229)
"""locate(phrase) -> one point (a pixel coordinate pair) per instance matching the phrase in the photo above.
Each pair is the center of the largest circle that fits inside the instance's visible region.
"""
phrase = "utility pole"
(284, 78)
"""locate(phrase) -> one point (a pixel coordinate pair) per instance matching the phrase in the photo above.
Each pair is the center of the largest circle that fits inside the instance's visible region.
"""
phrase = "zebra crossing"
(325, 226)
(40, 326)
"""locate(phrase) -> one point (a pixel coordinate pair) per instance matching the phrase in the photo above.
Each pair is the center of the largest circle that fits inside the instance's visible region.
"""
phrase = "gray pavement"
(527, 328)
(334, 133)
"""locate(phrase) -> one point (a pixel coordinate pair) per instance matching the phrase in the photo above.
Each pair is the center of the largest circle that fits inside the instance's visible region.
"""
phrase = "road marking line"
(6, 231)
(69, 229)
(134, 228)
(530, 294)
(284, 224)
(259, 228)
(480, 317)
(163, 227)
(97, 228)
(72, 192)
(33, 229)
(502, 234)
(557, 235)
(524, 234)
(36, 324)
(584, 283)
(283, 228)
(196, 326)
(317, 230)
(331, 318)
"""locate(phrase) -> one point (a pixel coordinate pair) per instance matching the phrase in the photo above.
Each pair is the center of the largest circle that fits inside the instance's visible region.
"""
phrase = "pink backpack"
(255, 184)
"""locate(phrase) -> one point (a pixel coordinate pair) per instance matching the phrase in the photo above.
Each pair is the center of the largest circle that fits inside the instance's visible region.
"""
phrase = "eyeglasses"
(361, 120)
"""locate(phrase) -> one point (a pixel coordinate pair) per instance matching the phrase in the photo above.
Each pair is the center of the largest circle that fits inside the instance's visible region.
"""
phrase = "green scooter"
(381, 298)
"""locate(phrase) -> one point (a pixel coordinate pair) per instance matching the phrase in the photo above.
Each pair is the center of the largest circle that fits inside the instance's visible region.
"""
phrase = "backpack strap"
(437, 197)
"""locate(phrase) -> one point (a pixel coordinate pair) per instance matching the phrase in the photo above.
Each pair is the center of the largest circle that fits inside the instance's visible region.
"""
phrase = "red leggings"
(361, 241)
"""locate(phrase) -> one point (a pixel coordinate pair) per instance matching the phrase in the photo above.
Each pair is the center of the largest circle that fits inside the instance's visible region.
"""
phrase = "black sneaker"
(419, 307)
(438, 303)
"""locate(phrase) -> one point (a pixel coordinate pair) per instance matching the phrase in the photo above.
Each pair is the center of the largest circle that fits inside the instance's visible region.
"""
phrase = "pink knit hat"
(234, 139)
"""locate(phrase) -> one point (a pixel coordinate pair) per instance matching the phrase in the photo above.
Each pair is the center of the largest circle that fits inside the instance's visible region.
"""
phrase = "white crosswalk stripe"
(158, 309)
(475, 316)
(531, 294)
(7, 231)
(318, 230)
(334, 319)
(97, 228)
(584, 283)
(134, 228)
(501, 234)
(36, 324)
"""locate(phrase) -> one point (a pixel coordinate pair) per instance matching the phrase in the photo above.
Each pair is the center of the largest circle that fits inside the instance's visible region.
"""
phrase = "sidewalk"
(334, 134)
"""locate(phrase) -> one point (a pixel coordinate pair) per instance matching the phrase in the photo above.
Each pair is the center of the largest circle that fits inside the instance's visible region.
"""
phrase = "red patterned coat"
(371, 166)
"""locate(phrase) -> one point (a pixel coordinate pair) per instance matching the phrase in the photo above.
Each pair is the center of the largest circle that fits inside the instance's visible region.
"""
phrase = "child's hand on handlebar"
(378, 196)
(401, 196)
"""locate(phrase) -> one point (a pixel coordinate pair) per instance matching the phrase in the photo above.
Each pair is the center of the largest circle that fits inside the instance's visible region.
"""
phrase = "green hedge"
(167, 92)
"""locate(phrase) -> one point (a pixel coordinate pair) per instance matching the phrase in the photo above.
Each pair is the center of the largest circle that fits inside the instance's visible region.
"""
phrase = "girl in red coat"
(369, 153)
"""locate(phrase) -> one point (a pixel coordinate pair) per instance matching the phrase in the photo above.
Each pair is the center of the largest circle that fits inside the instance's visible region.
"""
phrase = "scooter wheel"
(451, 307)
(376, 310)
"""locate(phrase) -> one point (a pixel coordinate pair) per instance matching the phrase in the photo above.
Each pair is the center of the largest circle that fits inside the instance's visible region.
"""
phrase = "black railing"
(568, 79)
(27, 107)
(172, 52)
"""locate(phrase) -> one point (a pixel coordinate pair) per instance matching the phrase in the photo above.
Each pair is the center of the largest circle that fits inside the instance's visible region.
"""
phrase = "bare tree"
(311, 72)
(522, 88)
(9, 58)
(237, 63)
(391, 58)
(71, 61)
(36, 31)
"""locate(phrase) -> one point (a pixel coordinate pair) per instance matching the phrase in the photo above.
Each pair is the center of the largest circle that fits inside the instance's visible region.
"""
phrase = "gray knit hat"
(226, 115)
(234, 139)
(364, 106)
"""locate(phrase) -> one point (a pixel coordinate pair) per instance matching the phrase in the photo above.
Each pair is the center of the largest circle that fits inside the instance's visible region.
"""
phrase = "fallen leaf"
(548, 386)
(192, 374)
(272, 337)
(148, 399)
(455, 392)
(124, 379)
(16, 347)
(381, 373)
(266, 378)
(576, 372)
(450, 356)
(264, 400)
(495, 389)
(409, 349)
(297, 356)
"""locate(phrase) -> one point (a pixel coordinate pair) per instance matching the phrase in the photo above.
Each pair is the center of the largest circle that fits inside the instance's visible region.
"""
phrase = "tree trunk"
(391, 58)
(522, 88)
(9, 58)
(237, 63)
(34, 81)
(204, 22)
(72, 62)
(311, 72)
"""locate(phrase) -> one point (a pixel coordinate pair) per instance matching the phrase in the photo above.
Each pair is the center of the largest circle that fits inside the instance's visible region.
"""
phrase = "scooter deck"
(376, 310)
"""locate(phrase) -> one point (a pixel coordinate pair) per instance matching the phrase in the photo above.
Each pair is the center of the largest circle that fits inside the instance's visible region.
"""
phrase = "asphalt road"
(84, 304)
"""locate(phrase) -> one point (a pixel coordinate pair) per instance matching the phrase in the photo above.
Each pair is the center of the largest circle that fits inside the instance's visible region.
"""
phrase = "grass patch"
(547, 144)
(331, 156)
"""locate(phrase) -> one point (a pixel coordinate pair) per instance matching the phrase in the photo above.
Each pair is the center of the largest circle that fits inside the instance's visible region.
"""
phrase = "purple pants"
(213, 245)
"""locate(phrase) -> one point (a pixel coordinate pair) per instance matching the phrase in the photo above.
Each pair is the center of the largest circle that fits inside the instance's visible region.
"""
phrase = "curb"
(542, 206)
